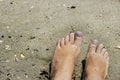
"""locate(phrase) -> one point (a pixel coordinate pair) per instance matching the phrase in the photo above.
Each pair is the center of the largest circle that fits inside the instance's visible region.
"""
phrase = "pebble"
(64, 4)
(15, 55)
(73, 7)
(100, 15)
(9, 36)
(32, 7)
(21, 36)
(29, 10)
(16, 59)
(47, 49)
(26, 76)
(18, 77)
(8, 74)
(33, 64)
(50, 17)
(7, 27)
(2, 36)
(32, 37)
(1, 41)
(36, 50)
(11, 2)
(27, 49)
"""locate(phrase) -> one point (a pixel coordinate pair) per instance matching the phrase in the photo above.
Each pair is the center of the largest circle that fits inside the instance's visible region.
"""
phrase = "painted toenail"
(79, 34)
(95, 42)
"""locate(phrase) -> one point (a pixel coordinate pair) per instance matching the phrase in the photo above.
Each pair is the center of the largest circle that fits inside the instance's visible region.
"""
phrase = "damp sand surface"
(29, 30)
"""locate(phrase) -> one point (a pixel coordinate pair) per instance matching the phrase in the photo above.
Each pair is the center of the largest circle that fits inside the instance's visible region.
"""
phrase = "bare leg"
(97, 61)
(65, 55)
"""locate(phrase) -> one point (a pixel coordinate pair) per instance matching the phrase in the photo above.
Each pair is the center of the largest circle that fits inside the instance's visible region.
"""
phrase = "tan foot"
(65, 55)
(97, 61)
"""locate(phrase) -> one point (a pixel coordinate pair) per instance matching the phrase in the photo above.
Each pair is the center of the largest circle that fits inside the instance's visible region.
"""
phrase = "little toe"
(99, 48)
(78, 38)
(58, 43)
(71, 36)
(106, 55)
(92, 46)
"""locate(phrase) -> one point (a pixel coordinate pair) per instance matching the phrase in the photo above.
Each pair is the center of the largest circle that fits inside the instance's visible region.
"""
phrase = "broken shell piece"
(7, 47)
(16, 59)
(15, 55)
(22, 56)
(118, 47)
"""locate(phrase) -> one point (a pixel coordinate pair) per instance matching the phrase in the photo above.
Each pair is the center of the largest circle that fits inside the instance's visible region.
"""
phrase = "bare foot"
(97, 61)
(65, 55)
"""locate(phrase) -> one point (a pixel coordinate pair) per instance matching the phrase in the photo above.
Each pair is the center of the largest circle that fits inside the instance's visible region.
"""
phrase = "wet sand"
(29, 31)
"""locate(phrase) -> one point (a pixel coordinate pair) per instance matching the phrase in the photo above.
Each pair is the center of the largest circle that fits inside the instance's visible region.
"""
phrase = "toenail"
(72, 33)
(79, 34)
(95, 42)
(102, 45)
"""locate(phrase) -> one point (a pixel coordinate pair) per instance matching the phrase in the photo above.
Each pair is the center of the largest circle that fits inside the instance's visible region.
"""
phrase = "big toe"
(78, 38)
(92, 46)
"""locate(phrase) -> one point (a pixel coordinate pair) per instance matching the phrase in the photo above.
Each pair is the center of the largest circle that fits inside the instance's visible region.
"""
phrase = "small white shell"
(1, 41)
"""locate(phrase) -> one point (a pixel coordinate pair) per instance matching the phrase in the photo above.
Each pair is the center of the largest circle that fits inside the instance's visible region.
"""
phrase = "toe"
(71, 38)
(67, 40)
(62, 42)
(99, 48)
(58, 43)
(103, 51)
(78, 38)
(92, 46)
(106, 55)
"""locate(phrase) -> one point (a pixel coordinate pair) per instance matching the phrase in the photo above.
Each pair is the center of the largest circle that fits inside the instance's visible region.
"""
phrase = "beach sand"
(29, 30)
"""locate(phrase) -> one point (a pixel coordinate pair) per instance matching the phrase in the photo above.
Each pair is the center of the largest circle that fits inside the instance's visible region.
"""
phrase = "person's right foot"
(66, 53)
(97, 61)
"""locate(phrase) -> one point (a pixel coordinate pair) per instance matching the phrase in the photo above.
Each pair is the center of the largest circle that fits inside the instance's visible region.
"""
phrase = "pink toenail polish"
(79, 34)
(95, 42)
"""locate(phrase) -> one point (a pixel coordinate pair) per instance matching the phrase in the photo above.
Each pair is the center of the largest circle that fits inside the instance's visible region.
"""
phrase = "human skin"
(97, 62)
(66, 53)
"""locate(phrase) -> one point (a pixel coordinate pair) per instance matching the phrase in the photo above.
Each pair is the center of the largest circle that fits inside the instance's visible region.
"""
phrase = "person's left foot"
(97, 62)
(65, 55)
